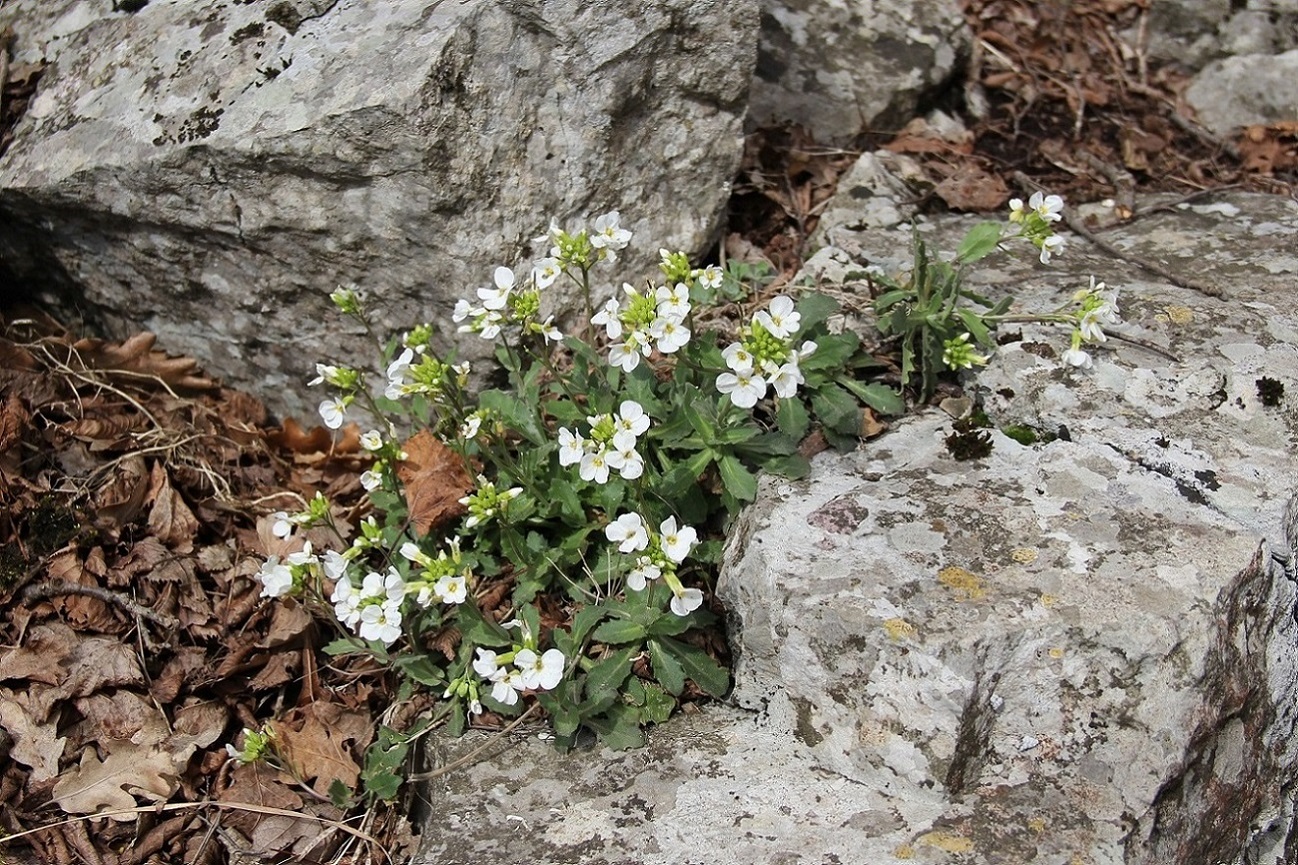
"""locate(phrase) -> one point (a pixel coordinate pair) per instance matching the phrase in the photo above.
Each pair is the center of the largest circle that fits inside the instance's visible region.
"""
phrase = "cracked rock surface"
(212, 169)
(1081, 650)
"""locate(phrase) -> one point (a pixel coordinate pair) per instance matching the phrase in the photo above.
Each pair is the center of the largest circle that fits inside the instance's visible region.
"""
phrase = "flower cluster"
(582, 248)
(657, 556)
(522, 669)
(442, 578)
(639, 323)
(486, 501)
(1036, 222)
(373, 610)
(508, 303)
(958, 353)
(764, 356)
(418, 371)
(611, 444)
(1096, 307)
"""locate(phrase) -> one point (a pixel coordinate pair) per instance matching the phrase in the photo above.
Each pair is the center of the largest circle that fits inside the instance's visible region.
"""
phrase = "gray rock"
(212, 170)
(1077, 651)
(1245, 90)
(840, 69)
(1193, 33)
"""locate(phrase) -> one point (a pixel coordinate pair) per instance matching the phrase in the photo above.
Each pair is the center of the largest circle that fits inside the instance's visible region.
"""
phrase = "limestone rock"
(840, 69)
(1193, 33)
(1077, 650)
(1246, 90)
(210, 170)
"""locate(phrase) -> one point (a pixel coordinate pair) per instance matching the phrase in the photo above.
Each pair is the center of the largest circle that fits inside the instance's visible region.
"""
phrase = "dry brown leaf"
(112, 784)
(288, 622)
(121, 714)
(37, 743)
(970, 188)
(434, 479)
(170, 520)
(14, 421)
(137, 355)
(121, 498)
(41, 657)
(317, 741)
(95, 663)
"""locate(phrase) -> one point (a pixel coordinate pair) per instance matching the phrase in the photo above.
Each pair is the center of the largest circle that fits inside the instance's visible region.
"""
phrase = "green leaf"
(609, 674)
(682, 476)
(619, 631)
(478, 630)
(832, 352)
(517, 414)
(619, 729)
(980, 242)
(975, 325)
(792, 417)
(667, 669)
(339, 794)
(344, 646)
(421, 669)
(879, 397)
(793, 466)
(837, 409)
(671, 626)
(658, 704)
(889, 299)
(738, 481)
(815, 308)
(712, 678)
(585, 619)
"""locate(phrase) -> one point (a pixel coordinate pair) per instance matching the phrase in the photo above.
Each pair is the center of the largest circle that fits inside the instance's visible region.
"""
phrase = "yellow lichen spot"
(1179, 314)
(898, 628)
(1077, 860)
(905, 851)
(965, 584)
(1023, 555)
(1049, 600)
(1056, 652)
(948, 841)
(1038, 824)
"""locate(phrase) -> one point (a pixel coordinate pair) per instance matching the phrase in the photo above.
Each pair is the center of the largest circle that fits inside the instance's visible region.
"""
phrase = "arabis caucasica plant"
(561, 553)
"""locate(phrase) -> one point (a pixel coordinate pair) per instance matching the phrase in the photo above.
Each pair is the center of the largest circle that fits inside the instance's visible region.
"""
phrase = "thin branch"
(44, 591)
(473, 755)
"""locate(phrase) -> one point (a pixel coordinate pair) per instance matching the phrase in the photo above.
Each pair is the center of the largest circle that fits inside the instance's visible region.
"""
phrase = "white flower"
(1052, 245)
(549, 331)
(485, 665)
(276, 578)
(673, 301)
(782, 320)
(785, 380)
(471, 427)
(333, 412)
(670, 332)
(451, 590)
(644, 569)
(380, 623)
(1078, 358)
(738, 358)
(627, 354)
(1017, 211)
(676, 543)
(1090, 328)
(545, 271)
(505, 686)
(540, 671)
(323, 373)
(334, 564)
(745, 388)
(628, 532)
(372, 440)
(282, 525)
(1048, 207)
(608, 234)
(346, 601)
(496, 298)
(594, 467)
(608, 317)
(388, 587)
(371, 480)
(491, 323)
(808, 349)
(628, 463)
(463, 310)
(710, 276)
(631, 417)
(572, 447)
(686, 601)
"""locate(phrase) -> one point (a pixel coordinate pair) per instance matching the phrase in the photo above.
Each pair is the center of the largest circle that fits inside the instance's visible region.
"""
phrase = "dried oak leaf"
(36, 742)
(318, 740)
(14, 421)
(112, 784)
(121, 498)
(434, 479)
(170, 520)
(137, 355)
(970, 188)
